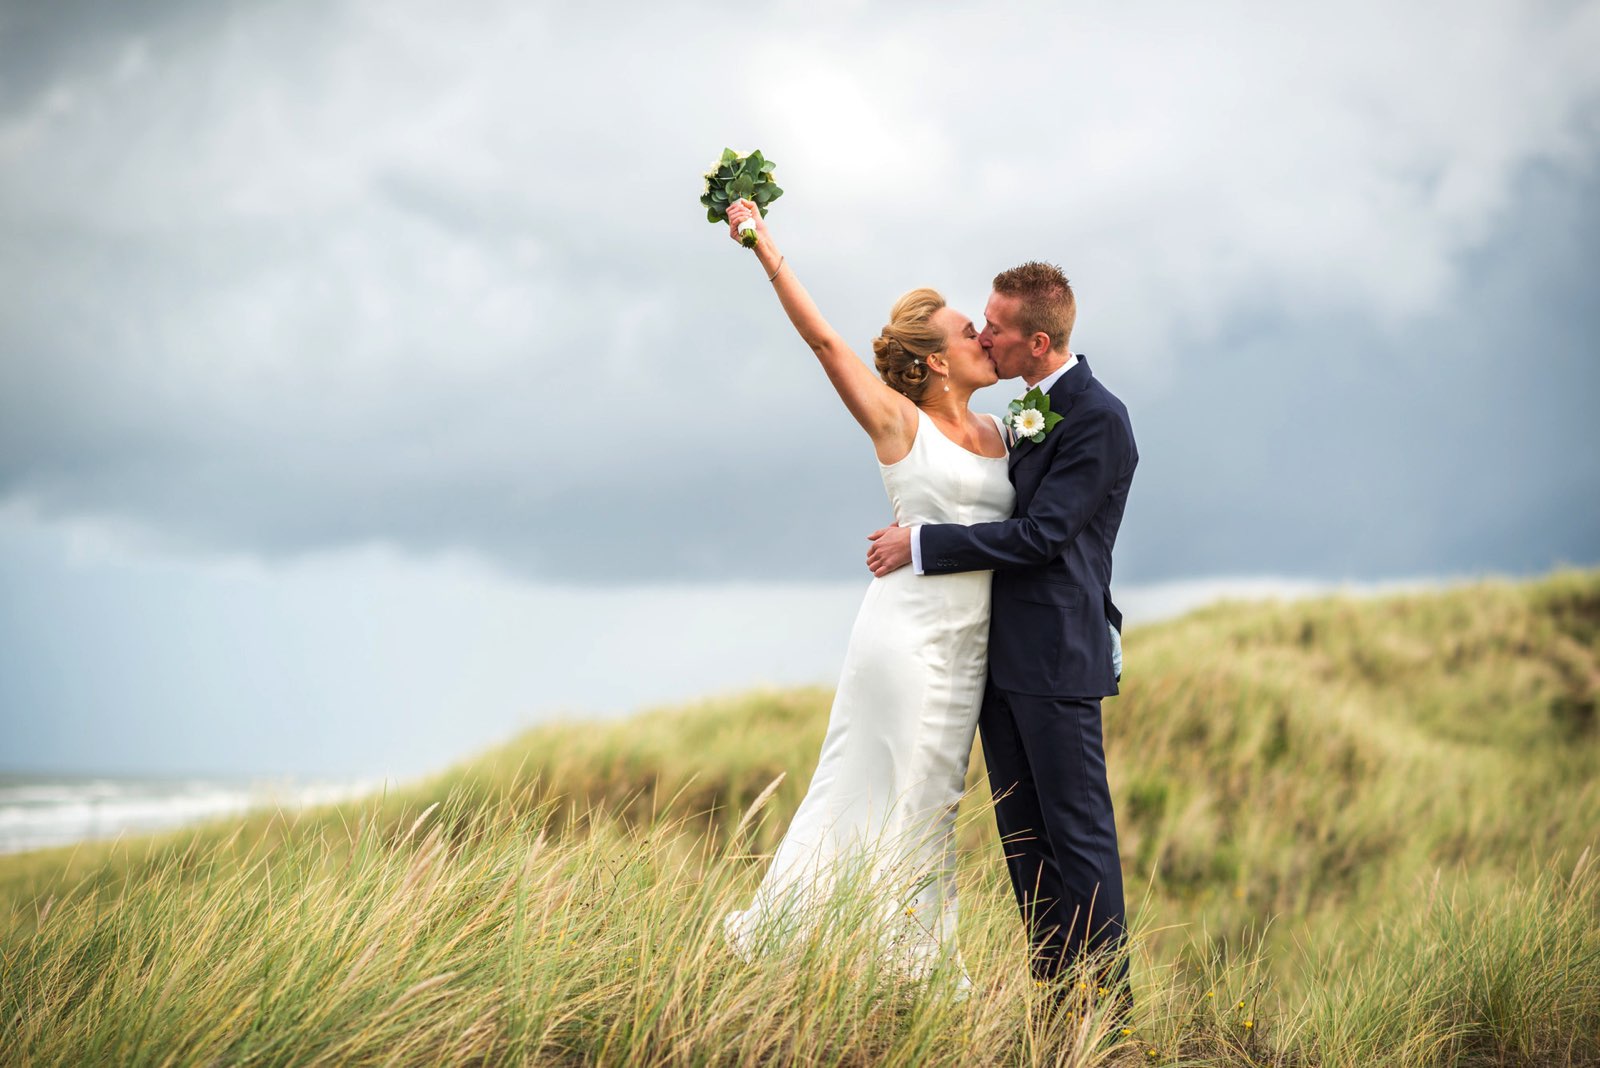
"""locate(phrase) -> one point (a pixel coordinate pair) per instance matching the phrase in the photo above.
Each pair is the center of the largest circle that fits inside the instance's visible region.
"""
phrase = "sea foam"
(37, 812)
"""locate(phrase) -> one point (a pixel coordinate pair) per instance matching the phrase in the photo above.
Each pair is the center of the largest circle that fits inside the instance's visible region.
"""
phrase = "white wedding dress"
(882, 802)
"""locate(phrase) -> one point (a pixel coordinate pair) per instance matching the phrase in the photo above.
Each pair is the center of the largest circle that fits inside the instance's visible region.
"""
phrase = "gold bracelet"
(776, 269)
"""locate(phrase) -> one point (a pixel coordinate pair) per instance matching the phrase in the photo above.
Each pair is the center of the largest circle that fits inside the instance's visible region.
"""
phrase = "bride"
(882, 801)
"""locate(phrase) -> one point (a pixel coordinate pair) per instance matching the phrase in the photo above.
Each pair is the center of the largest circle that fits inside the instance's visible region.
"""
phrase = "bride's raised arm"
(887, 416)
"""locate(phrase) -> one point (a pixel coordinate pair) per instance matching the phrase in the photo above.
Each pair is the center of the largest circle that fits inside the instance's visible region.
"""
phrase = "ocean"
(39, 811)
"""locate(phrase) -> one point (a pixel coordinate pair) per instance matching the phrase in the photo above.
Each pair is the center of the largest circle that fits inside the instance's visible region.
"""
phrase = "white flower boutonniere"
(1030, 417)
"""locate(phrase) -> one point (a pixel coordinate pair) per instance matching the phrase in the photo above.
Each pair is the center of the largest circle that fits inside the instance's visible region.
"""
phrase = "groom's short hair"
(1048, 306)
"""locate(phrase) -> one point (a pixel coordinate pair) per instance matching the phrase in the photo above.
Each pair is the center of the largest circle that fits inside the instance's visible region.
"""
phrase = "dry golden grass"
(1354, 833)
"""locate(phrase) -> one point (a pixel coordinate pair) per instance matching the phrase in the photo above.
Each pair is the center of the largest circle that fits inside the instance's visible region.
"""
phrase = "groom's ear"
(1039, 346)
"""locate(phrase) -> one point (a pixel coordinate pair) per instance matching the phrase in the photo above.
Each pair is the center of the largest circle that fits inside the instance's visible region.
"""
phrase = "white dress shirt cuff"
(916, 548)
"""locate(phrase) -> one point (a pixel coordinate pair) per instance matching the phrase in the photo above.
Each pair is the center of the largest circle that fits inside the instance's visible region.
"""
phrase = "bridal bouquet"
(735, 177)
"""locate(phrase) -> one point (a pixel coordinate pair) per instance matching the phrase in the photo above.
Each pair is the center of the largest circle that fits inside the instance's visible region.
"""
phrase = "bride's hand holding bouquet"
(745, 219)
(741, 212)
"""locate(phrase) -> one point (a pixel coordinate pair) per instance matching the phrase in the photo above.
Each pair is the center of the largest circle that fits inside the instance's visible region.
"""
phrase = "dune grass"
(1353, 833)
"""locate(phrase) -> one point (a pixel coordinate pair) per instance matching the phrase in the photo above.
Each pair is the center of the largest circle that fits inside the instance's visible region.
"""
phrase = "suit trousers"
(1047, 769)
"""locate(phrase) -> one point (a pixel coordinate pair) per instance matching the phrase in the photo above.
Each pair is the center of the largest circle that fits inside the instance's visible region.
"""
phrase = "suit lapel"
(1022, 446)
(1062, 394)
(1069, 385)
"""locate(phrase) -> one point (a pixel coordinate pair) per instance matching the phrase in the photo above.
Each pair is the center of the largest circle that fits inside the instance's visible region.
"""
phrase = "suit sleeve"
(1092, 453)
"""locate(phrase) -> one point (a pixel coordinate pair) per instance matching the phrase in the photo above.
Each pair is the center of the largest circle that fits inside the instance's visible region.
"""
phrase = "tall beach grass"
(1354, 833)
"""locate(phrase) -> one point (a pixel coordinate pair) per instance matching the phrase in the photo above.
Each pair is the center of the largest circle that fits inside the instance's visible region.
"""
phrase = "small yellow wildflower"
(1211, 993)
(1249, 1023)
(1127, 1030)
(1241, 1004)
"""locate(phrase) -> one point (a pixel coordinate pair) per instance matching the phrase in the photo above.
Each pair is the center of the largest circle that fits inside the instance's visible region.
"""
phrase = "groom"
(1050, 648)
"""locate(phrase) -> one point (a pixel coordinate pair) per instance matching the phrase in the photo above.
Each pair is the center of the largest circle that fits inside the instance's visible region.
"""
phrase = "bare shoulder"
(894, 439)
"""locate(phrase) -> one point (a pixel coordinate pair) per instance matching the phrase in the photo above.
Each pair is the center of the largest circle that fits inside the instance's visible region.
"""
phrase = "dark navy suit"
(1049, 665)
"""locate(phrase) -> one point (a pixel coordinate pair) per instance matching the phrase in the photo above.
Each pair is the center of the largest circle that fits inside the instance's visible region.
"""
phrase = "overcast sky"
(290, 283)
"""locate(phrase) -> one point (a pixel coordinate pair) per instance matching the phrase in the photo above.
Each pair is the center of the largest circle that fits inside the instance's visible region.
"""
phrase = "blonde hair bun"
(900, 352)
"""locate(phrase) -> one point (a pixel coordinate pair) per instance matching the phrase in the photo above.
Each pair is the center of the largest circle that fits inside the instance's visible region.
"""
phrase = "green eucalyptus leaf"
(735, 177)
(1050, 420)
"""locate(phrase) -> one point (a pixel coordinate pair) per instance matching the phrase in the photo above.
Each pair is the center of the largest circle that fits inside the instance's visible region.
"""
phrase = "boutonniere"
(1030, 416)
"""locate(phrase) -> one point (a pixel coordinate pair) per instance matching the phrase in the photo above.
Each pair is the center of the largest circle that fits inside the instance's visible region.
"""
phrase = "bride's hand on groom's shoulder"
(738, 212)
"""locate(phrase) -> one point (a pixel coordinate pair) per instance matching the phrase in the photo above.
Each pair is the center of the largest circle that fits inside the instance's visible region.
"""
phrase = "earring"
(947, 387)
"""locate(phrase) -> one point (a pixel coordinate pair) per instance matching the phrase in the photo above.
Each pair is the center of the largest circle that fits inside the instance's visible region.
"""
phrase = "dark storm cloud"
(39, 42)
(1464, 440)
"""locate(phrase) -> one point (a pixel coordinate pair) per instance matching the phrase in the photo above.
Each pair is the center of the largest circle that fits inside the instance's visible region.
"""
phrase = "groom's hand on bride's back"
(890, 550)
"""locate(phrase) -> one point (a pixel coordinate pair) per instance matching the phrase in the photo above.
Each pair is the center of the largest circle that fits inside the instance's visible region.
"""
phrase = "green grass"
(1353, 833)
